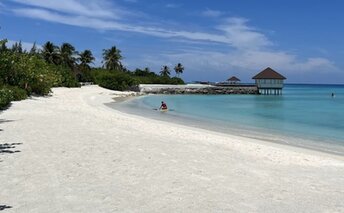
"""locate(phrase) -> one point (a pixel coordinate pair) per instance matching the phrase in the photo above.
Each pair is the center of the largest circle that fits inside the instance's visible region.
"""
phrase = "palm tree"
(33, 50)
(165, 71)
(86, 58)
(67, 53)
(50, 53)
(147, 70)
(112, 58)
(179, 68)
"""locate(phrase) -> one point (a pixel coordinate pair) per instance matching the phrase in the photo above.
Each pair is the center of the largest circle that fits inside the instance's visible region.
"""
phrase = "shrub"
(6, 96)
(65, 77)
(85, 74)
(176, 80)
(113, 80)
(17, 93)
(158, 80)
(28, 72)
(7, 73)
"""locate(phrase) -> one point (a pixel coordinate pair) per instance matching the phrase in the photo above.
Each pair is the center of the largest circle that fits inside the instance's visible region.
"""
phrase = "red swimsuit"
(163, 106)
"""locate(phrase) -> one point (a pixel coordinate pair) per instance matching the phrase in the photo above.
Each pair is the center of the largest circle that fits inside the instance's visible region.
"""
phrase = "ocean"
(305, 115)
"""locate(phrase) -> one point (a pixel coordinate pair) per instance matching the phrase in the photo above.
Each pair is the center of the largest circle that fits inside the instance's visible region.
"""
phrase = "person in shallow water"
(163, 106)
(332, 95)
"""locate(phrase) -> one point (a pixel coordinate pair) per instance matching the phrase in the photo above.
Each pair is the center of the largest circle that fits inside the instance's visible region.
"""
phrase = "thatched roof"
(233, 78)
(269, 73)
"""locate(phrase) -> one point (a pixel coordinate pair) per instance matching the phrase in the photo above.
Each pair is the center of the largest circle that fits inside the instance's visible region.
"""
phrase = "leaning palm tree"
(86, 58)
(112, 58)
(179, 68)
(67, 53)
(50, 53)
(165, 71)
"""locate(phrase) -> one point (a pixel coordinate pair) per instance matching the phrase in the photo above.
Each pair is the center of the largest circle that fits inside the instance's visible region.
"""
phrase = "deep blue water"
(303, 112)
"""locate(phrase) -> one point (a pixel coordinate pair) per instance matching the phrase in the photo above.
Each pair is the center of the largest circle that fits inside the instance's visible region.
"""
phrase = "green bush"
(34, 73)
(113, 80)
(144, 73)
(7, 72)
(64, 76)
(158, 80)
(38, 76)
(28, 72)
(84, 75)
(6, 96)
(176, 80)
(17, 93)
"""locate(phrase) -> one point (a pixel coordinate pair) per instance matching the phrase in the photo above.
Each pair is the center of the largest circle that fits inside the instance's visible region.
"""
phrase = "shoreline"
(222, 127)
(253, 139)
(126, 97)
(79, 155)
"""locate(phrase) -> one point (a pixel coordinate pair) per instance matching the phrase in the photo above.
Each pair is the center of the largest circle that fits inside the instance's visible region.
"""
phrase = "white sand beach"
(78, 155)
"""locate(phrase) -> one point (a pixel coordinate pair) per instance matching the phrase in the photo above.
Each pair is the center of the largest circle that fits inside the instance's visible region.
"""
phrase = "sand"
(74, 154)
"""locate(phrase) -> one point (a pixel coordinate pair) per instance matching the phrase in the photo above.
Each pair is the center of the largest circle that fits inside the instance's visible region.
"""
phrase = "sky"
(213, 39)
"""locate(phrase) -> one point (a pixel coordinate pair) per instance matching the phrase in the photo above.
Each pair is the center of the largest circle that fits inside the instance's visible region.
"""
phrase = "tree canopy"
(50, 53)
(86, 58)
(67, 55)
(36, 71)
(112, 59)
(165, 71)
(179, 68)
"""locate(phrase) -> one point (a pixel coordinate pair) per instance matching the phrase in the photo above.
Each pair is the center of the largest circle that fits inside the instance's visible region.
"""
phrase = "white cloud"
(315, 63)
(278, 59)
(242, 35)
(235, 31)
(90, 8)
(246, 62)
(248, 48)
(212, 13)
(81, 21)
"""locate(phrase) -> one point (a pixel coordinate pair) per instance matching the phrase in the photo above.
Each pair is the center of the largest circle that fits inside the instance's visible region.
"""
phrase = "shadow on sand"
(8, 148)
(4, 121)
(4, 207)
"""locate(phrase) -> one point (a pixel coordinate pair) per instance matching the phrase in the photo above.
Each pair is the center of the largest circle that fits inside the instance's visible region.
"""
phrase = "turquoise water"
(302, 113)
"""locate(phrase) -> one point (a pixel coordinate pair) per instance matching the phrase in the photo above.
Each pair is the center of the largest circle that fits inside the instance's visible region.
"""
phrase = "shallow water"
(305, 115)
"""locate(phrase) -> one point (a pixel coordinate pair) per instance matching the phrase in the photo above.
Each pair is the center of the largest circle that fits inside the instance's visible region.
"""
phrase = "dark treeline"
(36, 71)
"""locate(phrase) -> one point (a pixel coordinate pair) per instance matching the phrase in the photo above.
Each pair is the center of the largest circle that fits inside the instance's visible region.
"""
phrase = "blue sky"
(302, 39)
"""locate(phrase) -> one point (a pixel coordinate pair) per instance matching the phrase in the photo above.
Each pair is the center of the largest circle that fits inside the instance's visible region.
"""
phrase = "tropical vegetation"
(165, 71)
(24, 73)
(179, 68)
(112, 59)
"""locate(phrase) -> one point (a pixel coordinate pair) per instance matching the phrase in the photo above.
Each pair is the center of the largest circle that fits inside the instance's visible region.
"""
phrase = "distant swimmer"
(163, 106)
(332, 95)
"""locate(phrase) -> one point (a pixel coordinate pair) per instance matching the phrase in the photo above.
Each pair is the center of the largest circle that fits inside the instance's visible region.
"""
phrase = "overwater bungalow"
(233, 80)
(269, 82)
